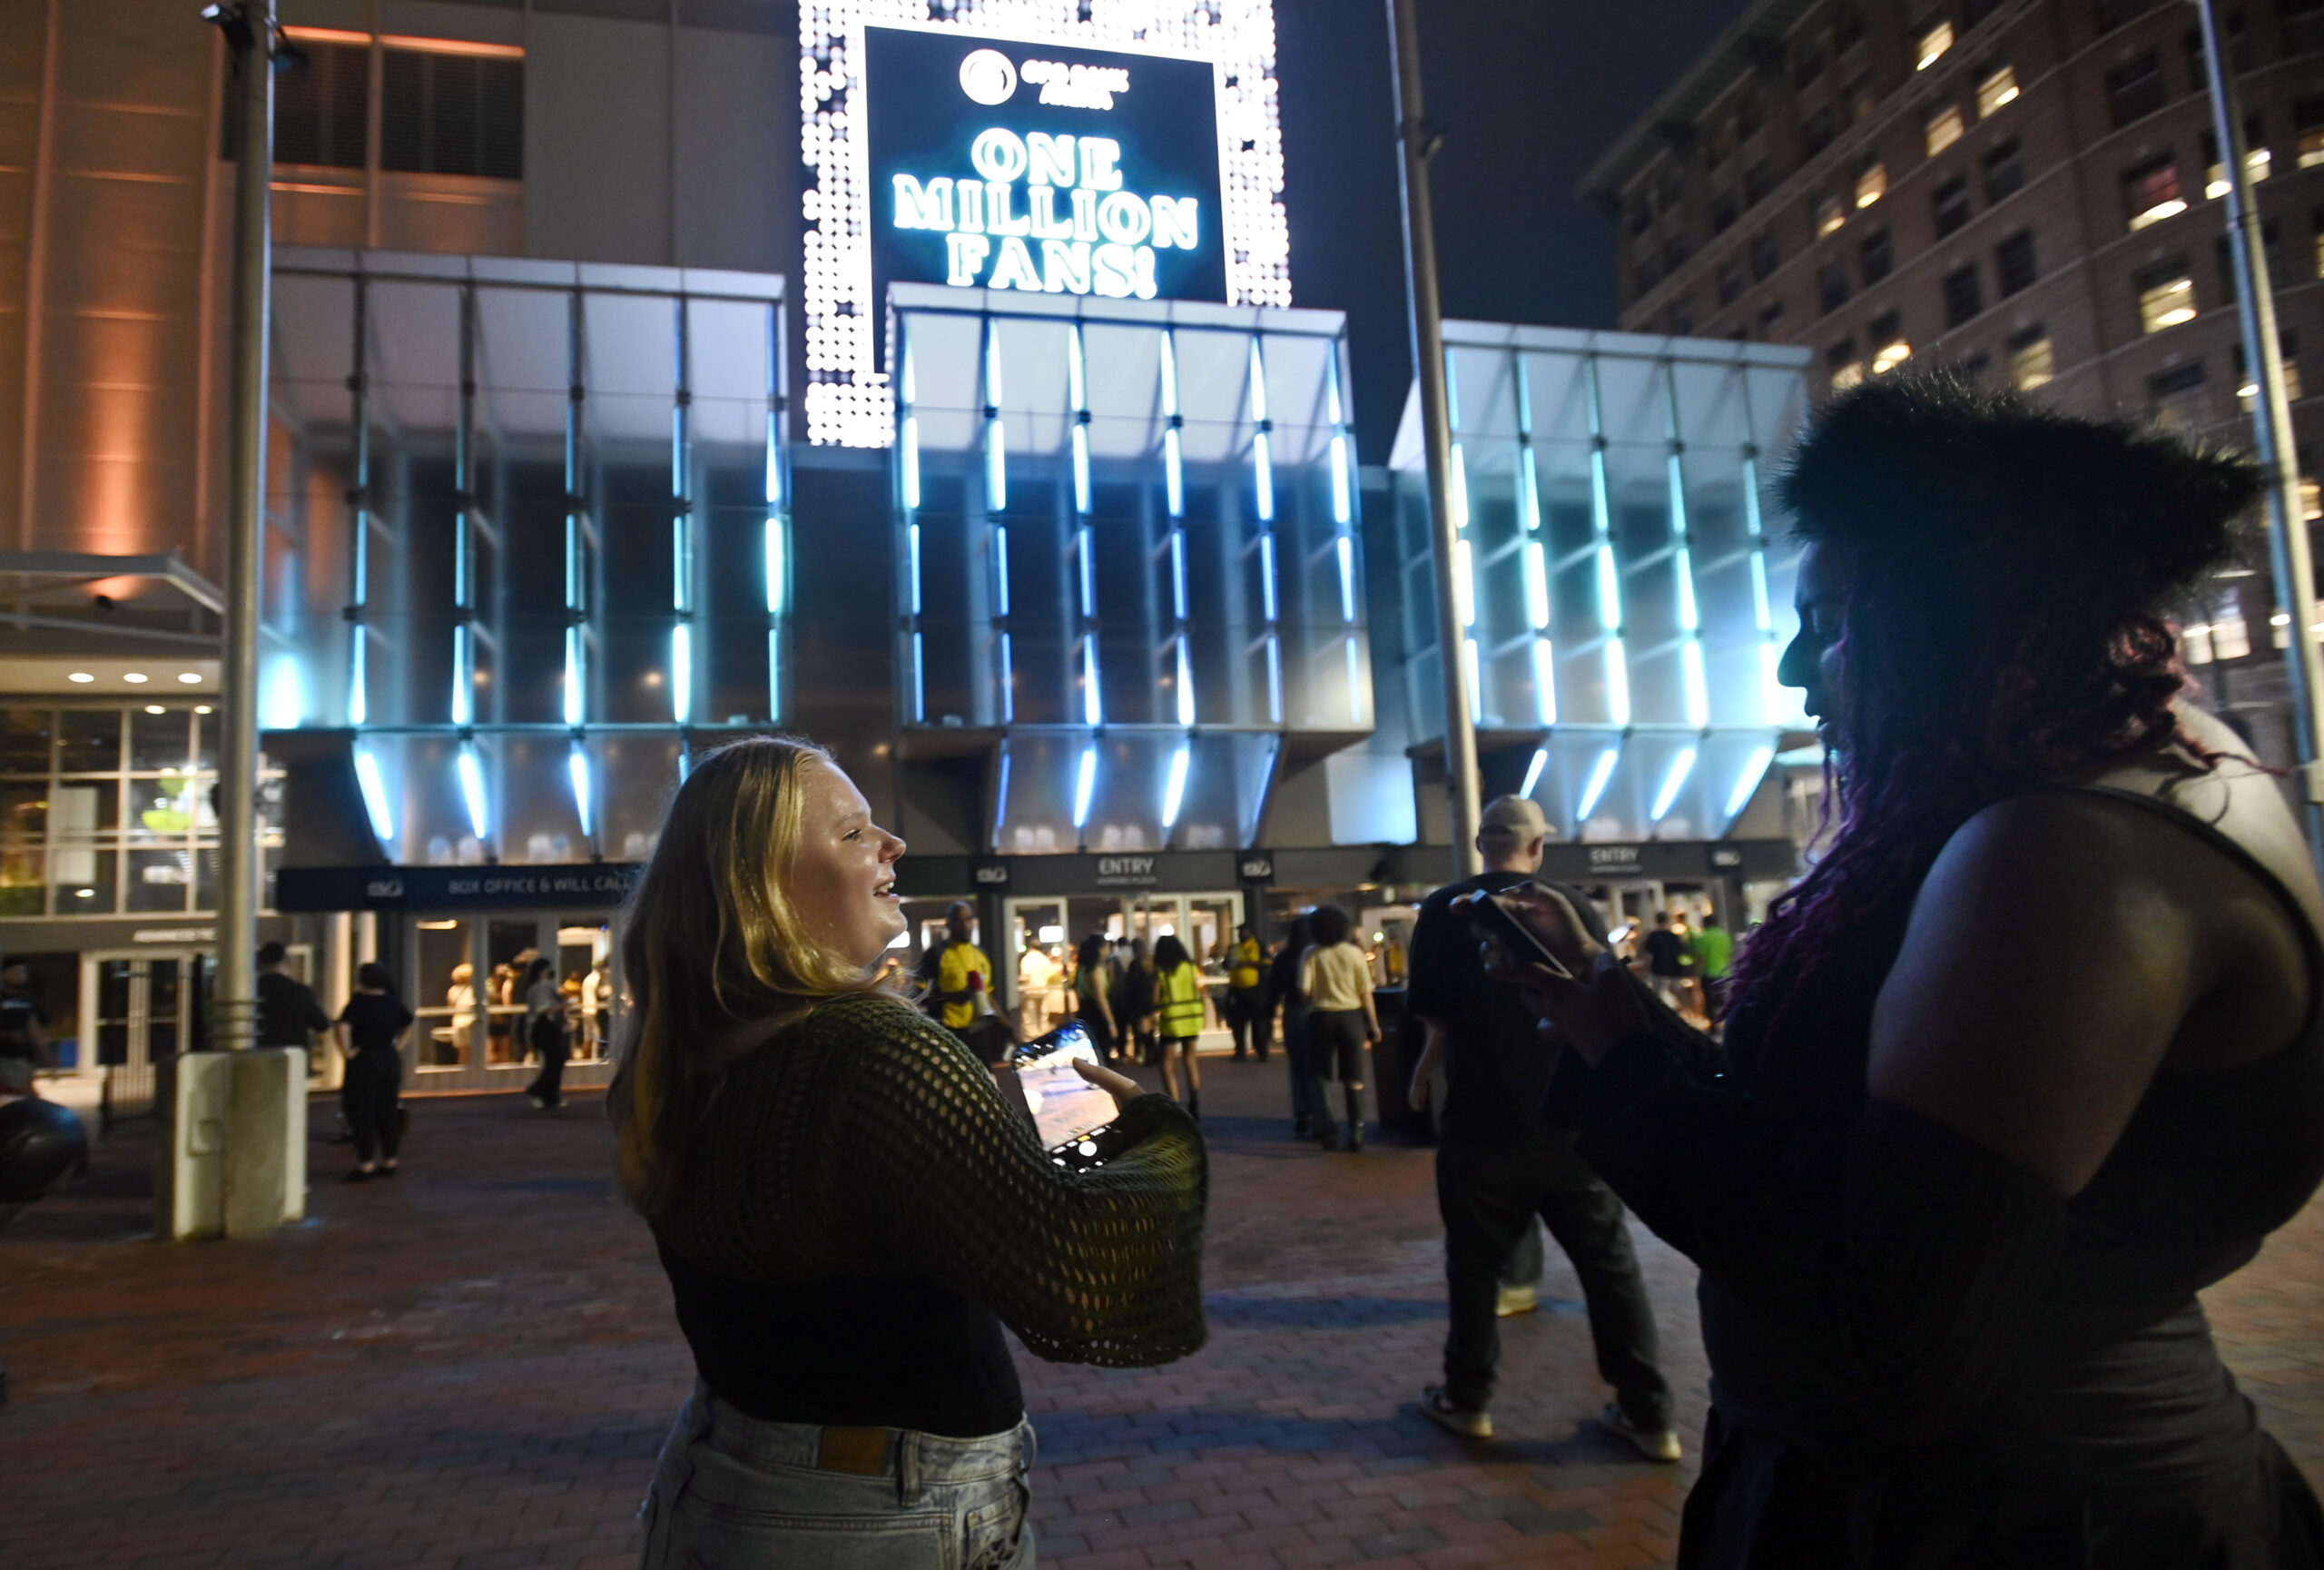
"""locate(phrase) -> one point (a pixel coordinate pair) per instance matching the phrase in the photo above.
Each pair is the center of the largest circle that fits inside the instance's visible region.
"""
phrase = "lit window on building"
(2308, 114)
(2246, 391)
(2195, 642)
(2014, 263)
(1871, 183)
(2151, 193)
(1890, 349)
(1933, 43)
(1999, 88)
(1840, 359)
(2033, 362)
(1830, 213)
(2320, 251)
(2311, 499)
(2258, 161)
(1943, 128)
(2166, 296)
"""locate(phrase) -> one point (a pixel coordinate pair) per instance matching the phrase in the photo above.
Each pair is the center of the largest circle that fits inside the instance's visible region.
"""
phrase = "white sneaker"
(538, 1102)
(1654, 1444)
(1468, 1422)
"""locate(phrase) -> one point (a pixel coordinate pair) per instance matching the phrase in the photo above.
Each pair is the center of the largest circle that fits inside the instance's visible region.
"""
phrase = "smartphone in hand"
(1517, 915)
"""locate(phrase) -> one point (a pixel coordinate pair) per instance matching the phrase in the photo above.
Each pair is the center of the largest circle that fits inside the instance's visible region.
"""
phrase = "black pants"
(549, 1084)
(1489, 1196)
(1246, 1018)
(367, 1099)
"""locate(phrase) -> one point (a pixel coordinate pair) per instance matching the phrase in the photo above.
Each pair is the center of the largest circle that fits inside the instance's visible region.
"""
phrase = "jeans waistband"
(916, 1459)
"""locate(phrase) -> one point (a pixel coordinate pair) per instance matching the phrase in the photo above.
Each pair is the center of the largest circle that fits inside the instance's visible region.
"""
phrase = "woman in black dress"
(2032, 1056)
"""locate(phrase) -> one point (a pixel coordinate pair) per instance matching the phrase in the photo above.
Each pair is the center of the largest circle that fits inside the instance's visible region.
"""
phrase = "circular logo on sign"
(987, 78)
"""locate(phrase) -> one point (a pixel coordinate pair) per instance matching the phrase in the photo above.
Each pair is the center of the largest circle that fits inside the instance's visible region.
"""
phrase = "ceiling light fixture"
(155, 708)
(190, 677)
(81, 676)
(202, 708)
(135, 678)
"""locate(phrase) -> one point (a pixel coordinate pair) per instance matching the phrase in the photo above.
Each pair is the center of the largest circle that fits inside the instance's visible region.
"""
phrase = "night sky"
(1529, 93)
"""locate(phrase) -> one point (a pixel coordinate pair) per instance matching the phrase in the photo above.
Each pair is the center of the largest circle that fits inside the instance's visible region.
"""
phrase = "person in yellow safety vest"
(963, 990)
(1177, 994)
(1246, 994)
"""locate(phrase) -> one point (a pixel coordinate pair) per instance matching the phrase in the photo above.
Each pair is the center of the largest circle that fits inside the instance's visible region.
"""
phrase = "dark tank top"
(2115, 1381)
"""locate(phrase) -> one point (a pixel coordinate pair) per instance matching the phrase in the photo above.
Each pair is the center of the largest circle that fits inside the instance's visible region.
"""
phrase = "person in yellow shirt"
(1246, 994)
(963, 991)
(1341, 1020)
(1177, 999)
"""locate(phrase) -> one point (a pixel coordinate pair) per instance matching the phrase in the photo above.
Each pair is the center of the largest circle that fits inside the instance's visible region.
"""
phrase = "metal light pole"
(249, 27)
(1419, 140)
(2288, 545)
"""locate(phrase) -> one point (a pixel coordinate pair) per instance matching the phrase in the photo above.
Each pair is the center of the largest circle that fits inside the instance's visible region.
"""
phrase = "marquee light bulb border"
(848, 402)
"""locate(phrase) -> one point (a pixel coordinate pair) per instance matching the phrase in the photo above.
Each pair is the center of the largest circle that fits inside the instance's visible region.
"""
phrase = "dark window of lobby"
(1949, 205)
(2134, 91)
(1964, 295)
(2014, 265)
(1764, 255)
(1877, 255)
(2005, 171)
(321, 102)
(446, 113)
(1730, 282)
(1832, 284)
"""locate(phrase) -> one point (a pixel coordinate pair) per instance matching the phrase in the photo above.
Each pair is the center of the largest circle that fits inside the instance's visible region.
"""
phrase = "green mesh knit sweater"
(858, 1193)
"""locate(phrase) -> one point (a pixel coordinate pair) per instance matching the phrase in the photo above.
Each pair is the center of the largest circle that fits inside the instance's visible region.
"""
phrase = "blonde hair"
(717, 957)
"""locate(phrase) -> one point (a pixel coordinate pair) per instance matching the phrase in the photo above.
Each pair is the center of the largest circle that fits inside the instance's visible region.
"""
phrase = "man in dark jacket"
(1505, 1154)
(288, 1013)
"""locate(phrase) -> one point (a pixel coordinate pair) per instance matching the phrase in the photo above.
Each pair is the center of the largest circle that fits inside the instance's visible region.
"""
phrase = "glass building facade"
(1623, 593)
(528, 539)
(1130, 558)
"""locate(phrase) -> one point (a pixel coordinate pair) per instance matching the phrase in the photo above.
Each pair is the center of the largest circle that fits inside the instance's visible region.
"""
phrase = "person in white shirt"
(1336, 976)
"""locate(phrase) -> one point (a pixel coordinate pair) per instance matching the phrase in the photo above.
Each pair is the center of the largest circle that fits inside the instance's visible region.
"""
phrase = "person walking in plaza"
(1336, 976)
(1246, 994)
(371, 1032)
(1093, 996)
(1953, 1182)
(1179, 1014)
(1714, 957)
(1137, 997)
(1505, 1154)
(849, 1211)
(542, 1031)
(1283, 992)
(963, 993)
(24, 1040)
(1665, 952)
(288, 1013)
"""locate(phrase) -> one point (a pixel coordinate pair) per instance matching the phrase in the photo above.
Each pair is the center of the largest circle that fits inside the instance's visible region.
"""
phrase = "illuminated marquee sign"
(1174, 179)
(1042, 168)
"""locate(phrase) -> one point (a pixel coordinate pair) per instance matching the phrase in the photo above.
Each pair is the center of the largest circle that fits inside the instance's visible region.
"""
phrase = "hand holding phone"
(1535, 924)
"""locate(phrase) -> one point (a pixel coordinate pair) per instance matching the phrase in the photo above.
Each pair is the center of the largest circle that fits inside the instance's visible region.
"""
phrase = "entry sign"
(1042, 168)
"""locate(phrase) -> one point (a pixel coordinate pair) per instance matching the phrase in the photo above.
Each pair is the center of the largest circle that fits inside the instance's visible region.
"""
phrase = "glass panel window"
(89, 741)
(1964, 295)
(24, 736)
(1844, 368)
(442, 114)
(83, 808)
(2166, 296)
(2031, 360)
(1943, 128)
(2246, 391)
(2258, 161)
(83, 879)
(160, 880)
(2151, 193)
(1871, 183)
(1830, 213)
(2014, 265)
(1934, 39)
(159, 741)
(1949, 205)
(1890, 349)
(1998, 88)
(2005, 170)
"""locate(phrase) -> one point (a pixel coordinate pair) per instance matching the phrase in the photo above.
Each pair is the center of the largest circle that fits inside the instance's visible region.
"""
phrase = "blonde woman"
(847, 1210)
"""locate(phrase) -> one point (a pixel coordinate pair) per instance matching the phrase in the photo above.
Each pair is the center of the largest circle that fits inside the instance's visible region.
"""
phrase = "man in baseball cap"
(1505, 1154)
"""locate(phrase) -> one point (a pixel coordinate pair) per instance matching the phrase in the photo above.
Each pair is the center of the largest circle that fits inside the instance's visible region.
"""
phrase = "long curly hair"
(2006, 568)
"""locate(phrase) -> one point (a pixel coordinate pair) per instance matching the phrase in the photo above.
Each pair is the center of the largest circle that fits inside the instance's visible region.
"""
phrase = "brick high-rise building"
(2027, 187)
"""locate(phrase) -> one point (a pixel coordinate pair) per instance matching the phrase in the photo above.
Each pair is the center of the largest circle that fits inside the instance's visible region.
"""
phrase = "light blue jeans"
(734, 1493)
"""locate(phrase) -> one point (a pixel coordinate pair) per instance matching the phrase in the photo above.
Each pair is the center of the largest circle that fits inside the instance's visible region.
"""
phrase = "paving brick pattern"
(472, 1367)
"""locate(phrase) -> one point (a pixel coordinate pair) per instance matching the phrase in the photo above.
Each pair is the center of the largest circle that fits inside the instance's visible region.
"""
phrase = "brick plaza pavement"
(473, 1366)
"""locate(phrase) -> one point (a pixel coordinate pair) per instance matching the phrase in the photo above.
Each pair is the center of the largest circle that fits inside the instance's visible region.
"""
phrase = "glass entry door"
(141, 1005)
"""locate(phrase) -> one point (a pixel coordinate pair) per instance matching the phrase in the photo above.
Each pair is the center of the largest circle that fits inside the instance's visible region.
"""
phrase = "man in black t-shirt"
(288, 1013)
(371, 1030)
(1505, 1154)
(1666, 953)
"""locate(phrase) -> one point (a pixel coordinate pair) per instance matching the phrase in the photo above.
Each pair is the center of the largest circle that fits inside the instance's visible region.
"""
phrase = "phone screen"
(1066, 1107)
(1504, 915)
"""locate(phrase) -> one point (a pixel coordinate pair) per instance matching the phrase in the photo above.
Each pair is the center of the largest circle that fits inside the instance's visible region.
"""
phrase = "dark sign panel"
(1042, 168)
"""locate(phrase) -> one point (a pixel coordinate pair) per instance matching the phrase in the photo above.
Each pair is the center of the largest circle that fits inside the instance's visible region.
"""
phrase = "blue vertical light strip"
(919, 680)
(470, 768)
(999, 567)
(1263, 483)
(1610, 574)
(1077, 390)
(1601, 774)
(358, 688)
(1186, 684)
(1747, 783)
(358, 586)
(1344, 549)
(1085, 785)
(1355, 681)
(1694, 681)
(577, 770)
(1001, 798)
(375, 801)
(1173, 787)
(1093, 705)
(1266, 576)
(1674, 779)
(1533, 771)
(1536, 549)
(908, 497)
(1774, 699)
(681, 592)
(463, 706)
(1275, 681)
(577, 575)
(1008, 681)
(463, 687)
(1177, 574)
(1173, 476)
(778, 518)
(996, 441)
